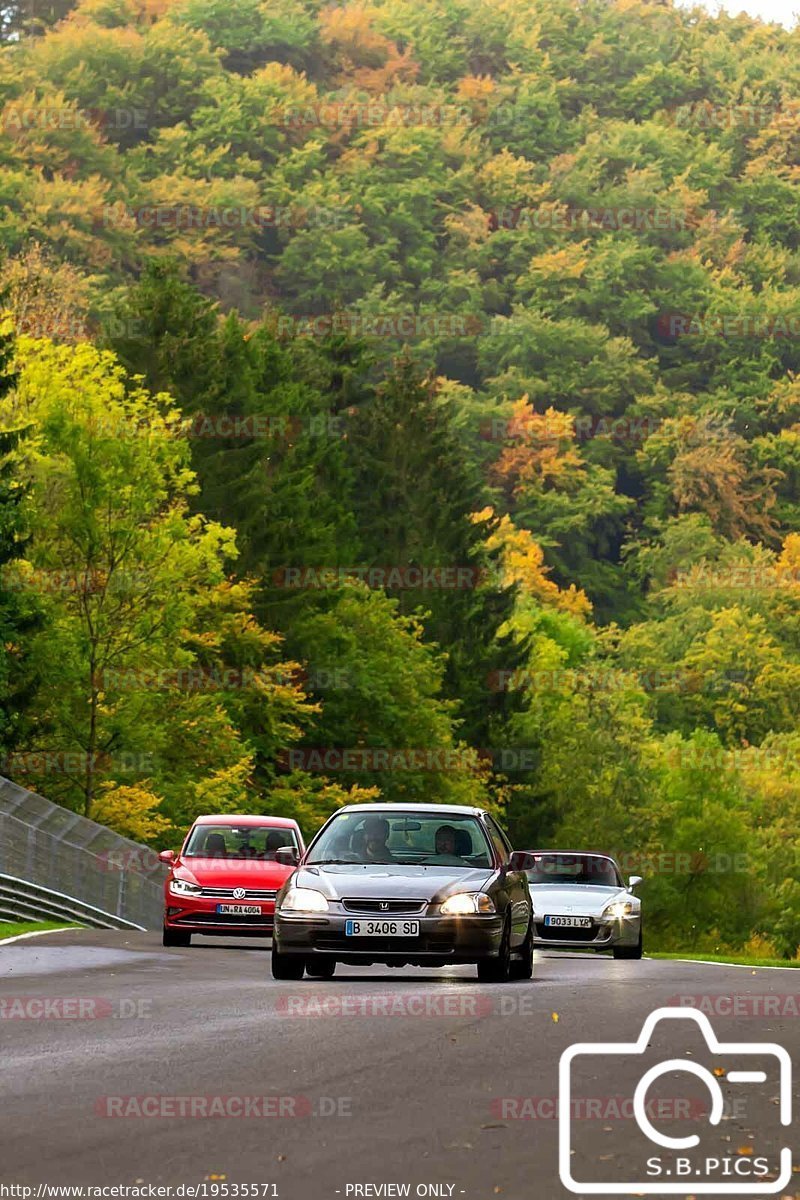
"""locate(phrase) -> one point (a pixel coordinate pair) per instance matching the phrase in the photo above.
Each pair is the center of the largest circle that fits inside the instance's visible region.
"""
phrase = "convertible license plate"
(240, 910)
(381, 928)
(568, 922)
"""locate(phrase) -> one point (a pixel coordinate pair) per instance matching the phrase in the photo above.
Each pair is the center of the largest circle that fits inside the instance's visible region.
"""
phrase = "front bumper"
(198, 914)
(441, 940)
(604, 934)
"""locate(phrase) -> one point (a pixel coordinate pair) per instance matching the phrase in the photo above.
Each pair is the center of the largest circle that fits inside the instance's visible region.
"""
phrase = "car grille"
(219, 919)
(384, 907)
(565, 935)
(226, 893)
(433, 943)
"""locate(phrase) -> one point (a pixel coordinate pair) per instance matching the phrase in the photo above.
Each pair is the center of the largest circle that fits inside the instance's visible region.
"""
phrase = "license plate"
(568, 922)
(381, 928)
(240, 910)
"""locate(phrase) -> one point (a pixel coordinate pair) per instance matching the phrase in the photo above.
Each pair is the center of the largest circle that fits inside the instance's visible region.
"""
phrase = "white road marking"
(701, 962)
(19, 937)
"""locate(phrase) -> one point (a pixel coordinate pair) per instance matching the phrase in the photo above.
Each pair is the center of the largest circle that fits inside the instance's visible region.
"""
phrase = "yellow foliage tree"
(131, 811)
(523, 564)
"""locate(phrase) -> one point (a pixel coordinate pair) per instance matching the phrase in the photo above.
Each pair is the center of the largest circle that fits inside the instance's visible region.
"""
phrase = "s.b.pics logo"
(675, 1141)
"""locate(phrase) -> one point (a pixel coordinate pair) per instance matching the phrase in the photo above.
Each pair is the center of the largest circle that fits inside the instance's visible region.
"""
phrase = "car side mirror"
(521, 860)
(632, 882)
(288, 856)
(167, 856)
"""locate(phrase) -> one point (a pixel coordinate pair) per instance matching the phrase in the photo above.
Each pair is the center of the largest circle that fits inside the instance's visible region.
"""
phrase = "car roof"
(246, 819)
(400, 806)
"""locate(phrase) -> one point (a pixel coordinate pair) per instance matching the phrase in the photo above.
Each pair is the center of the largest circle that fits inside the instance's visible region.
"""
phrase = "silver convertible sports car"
(581, 902)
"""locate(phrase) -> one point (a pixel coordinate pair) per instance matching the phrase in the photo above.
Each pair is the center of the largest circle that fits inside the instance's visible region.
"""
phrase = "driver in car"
(376, 833)
(446, 842)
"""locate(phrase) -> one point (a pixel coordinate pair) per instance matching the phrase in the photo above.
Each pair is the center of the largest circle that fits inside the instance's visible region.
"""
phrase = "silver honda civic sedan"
(580, 902)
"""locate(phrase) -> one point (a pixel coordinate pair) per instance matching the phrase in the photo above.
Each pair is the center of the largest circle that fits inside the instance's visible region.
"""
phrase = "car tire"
(629, 951)
(498, 968)
(176, 937)
(287, 966)
(522, 967)
(320, 968)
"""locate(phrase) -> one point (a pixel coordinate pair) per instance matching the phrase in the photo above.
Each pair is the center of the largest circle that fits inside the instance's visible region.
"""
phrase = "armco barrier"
(23, 901)
(55, 863)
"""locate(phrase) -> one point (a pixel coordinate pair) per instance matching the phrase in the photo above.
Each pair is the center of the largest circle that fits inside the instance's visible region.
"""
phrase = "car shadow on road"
(262, 949)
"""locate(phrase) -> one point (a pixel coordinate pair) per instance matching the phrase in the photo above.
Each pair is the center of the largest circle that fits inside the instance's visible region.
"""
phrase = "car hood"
(228, 872)
(564, 899)
(391, 881)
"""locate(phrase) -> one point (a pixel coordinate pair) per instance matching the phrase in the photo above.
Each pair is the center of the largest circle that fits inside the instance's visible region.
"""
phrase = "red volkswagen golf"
(226, 877)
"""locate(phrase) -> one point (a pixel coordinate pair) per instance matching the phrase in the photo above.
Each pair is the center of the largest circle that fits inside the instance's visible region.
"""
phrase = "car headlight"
(467, 902)
(619, 909)
(182, 887)
(300, 899)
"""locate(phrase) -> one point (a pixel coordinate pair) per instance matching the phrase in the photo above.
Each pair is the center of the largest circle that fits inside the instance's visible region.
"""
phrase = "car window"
(238, 841)
(590, 869)
(428, 839)
(501, 845)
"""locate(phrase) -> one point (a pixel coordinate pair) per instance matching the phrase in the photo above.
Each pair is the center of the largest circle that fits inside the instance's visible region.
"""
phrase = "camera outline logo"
(690, 1183)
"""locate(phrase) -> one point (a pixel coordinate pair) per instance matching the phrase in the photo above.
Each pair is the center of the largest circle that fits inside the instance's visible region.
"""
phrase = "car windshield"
(433, 839)
(574, 868)
(238, 841)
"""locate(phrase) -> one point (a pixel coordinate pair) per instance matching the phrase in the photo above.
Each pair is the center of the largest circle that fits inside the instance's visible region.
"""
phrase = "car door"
(516, 884)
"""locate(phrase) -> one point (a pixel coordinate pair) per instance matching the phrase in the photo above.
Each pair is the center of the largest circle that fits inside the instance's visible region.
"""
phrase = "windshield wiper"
(339, 862)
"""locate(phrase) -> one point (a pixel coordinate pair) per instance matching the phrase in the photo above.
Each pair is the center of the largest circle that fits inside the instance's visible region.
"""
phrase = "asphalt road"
(377, 1077)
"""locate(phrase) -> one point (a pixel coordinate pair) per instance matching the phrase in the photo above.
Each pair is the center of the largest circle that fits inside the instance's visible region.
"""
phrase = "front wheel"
(176, 937)
(287, 966)
(498, 968)
(522, 967)
(629, 951)
(322, 968)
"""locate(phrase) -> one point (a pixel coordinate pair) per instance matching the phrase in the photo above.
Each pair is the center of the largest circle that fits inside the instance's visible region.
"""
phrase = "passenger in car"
(215, 846)
(274, 841)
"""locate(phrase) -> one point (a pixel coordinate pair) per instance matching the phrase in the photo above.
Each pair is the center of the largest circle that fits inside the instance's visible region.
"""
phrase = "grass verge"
(12, 928)
(733, 960)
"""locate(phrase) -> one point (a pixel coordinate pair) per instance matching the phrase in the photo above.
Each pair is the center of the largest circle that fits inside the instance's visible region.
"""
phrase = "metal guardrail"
(23, 901)
(54, 862)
